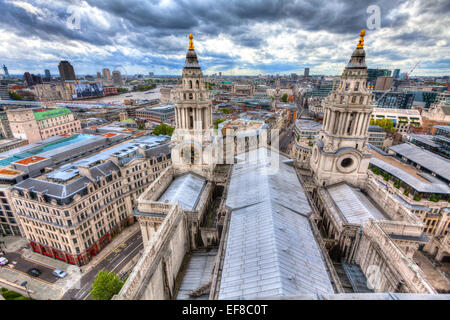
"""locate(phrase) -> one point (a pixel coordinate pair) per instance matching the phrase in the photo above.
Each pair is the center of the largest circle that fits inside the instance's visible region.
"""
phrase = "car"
(3, 261)
(34, 272)
(59, 273)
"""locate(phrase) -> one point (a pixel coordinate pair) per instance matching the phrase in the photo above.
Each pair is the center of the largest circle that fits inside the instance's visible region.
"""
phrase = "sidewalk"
(39, 289)
(13, 243)
(57, 264)
(123, 236)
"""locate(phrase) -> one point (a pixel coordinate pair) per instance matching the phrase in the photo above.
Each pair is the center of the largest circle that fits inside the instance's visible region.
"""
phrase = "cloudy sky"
(235, 37)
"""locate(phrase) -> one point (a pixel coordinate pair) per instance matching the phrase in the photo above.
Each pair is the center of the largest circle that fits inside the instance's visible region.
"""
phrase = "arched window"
(198, 85)
(190, 84)
(353, 99)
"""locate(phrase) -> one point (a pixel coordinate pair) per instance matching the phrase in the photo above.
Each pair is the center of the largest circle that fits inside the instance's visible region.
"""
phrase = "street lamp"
(25, 284)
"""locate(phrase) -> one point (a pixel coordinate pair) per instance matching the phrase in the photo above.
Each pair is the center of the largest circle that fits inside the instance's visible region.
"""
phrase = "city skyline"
(234, 38)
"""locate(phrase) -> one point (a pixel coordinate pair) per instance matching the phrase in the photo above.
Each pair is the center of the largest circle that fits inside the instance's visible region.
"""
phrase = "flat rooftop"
(47, 148)
(184, 190)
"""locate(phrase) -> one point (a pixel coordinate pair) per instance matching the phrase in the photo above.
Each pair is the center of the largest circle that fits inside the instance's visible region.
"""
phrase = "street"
(115, 262)
(17, 263)
(285, 139)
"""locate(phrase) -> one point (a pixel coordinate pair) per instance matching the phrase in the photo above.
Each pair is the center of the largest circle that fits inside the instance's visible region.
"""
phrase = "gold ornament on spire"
(191, 43)
(361, 40)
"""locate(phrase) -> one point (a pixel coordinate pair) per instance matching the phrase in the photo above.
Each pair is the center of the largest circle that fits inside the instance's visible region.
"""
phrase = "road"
(16, 262)
(285, 139)
(115, 262)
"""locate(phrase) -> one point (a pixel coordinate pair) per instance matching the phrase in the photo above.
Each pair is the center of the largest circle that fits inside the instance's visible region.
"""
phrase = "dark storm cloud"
(154, 27)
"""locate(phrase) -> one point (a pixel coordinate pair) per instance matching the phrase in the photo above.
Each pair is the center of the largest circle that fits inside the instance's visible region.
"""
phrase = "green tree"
(106, 285)
(216, 125)
(163, 128)
(141, 126)
(284, 97)
(14, 95)
(225, 110)
(386, 124)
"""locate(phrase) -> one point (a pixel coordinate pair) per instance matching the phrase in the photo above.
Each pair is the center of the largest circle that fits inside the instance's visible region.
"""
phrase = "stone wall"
(153, 277)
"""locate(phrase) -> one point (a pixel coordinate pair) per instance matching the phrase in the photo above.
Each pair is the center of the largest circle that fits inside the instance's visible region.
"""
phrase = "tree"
(106, 285)
(164, 129)
(141, 126)
(284, 97)
(14, 95)
(225, 110)
(386, 124)
(216, 125)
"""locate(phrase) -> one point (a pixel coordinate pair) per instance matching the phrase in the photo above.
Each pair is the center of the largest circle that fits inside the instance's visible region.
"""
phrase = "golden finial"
(361, 39)
(191, 43)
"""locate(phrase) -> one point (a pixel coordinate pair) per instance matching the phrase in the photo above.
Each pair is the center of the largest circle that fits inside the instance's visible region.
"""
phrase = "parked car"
(59, 273)
(3, 261)
(34, 272)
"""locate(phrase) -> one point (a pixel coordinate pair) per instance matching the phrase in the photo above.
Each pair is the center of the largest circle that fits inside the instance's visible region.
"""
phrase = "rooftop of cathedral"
(271, 250)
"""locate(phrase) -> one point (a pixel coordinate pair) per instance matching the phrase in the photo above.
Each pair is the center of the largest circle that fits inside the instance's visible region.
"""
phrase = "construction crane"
(407, 75)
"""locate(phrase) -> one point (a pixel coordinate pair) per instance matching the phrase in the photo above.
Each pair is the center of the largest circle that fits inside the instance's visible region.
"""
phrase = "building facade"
(66, 71)
(27, 124)
(72, 218)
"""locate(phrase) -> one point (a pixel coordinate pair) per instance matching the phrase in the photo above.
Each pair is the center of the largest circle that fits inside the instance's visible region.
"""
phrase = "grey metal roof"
(52, 189)
(185, 190)
(271, 250)
(426, 159)
(355, 207)
(433, 186)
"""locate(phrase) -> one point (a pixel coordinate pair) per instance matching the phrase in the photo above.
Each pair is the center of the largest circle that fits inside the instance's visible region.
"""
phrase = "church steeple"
(341, 152)
(193, 117)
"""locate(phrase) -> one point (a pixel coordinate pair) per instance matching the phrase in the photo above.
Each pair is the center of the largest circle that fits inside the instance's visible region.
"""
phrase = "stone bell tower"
(340, 153)
(192, 140)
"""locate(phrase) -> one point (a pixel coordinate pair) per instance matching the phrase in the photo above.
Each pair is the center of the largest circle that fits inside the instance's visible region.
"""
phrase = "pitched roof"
(271, 250)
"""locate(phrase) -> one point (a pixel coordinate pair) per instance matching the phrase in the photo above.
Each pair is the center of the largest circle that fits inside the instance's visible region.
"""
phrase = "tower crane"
(407, 75)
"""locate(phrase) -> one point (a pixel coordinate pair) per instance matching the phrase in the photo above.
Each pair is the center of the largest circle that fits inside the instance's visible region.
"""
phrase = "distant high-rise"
(306, 73)
(99, 75)
(66, 71)
(48, 76)
(4, 95)
(106, 75)
(5, 70)
(28, 78)
(373, 74)
(117, 78)
(396, 73)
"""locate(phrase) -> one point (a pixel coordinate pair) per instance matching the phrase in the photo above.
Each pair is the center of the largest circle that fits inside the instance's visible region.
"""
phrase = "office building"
(393, 99)
(48, 76)
(66, 71)
(34, 126)
(306, 72)
(384, 83)
(373, 74)
(71, 213)
(106, 75)
(4, 93)
(117, 78)
(5, 70)
(396, 73)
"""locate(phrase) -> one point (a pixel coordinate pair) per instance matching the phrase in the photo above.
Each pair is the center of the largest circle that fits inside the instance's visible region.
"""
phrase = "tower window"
(190, 84)
(190, 95)
(347, 162)
(353, 99)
